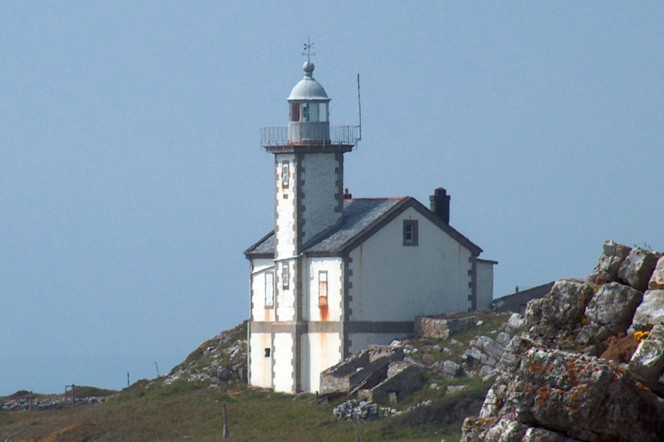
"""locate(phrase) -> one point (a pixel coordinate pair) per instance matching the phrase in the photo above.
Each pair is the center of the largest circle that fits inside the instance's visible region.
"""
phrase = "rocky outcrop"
(552, 385)
(221, 359)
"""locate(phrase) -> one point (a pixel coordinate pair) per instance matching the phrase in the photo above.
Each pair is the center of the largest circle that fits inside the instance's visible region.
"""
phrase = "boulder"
(582, 397)
(448, 369)
(482, 356)
(657, 278)
(609, 263)
(647, 363)
(560, 312)
(637, 268)
(516, 321)
(649, 312)
(611, 310)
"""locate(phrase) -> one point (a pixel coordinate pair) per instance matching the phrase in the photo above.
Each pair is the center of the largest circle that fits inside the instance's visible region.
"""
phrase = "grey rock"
(455, 388)
(503, 338)
(647, 363)
(637, 268)
(612, 308)
(657, 278)
(560, 312)
(483, 351)
(544, 435)
(515, 322)
(352, 409)
(448, 369)
(609, 263)
(224, 373)
(649, 312)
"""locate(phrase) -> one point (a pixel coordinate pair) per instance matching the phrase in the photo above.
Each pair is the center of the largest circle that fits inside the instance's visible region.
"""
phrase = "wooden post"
(73, 395)
(357, 428)
(225, 432)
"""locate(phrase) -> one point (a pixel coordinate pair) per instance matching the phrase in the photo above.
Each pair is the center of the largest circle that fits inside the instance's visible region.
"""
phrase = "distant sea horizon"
(50, 374)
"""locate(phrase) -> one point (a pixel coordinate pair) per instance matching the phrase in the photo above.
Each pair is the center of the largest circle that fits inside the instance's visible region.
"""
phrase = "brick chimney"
(439, 203)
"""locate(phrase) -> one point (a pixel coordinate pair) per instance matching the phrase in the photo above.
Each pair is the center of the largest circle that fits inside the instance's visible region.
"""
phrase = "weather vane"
(307, 49)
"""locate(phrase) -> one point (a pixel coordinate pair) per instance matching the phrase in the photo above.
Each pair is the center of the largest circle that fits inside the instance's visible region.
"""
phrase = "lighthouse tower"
(308, 199)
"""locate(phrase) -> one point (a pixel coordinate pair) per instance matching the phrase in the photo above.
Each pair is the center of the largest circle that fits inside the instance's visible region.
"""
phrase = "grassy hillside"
(176, 408)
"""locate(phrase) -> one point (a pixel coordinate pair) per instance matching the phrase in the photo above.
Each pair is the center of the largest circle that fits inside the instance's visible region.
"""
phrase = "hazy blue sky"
(132, 179)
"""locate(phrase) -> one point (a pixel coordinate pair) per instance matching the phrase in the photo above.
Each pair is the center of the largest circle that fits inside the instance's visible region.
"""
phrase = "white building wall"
(258, 310)
(319, 351)
(484, 284)
(260, 367)
(393, 282)
(283, 363)
(319, 172)
(311, 309)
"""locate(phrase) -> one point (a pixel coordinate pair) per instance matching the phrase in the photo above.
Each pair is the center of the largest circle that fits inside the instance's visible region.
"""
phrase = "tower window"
(295, 112)
(305, 111)
(410, 232)
(269, 289)
(284, 176)
(285, 278)
(322, 288)
(267, 352)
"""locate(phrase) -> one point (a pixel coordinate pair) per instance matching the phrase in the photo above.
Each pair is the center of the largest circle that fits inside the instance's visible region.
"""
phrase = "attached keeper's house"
(339, 273)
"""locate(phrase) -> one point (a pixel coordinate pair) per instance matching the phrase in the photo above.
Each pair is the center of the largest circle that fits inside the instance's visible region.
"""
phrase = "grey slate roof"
(358, 215)
(361, 216)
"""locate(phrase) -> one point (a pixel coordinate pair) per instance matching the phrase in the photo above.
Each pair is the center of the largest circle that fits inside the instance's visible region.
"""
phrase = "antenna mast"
(359, 107)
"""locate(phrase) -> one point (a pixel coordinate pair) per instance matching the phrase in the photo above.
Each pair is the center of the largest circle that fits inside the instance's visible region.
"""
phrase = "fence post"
(225, 432)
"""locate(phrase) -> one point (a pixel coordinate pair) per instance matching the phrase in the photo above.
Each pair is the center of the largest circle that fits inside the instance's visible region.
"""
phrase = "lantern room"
(308, 103)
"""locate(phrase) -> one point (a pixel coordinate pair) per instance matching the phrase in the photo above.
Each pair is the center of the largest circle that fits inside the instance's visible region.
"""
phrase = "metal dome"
(308, 88)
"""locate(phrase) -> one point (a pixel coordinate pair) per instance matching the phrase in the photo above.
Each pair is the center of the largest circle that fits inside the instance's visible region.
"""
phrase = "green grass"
(153, 410)
(185, 411)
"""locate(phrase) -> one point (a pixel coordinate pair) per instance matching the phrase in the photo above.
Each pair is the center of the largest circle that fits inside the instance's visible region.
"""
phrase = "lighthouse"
(308, 201)
(337, 273)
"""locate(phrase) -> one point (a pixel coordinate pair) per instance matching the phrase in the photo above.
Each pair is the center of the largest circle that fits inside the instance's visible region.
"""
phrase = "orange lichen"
(640, 335)
(543, 394)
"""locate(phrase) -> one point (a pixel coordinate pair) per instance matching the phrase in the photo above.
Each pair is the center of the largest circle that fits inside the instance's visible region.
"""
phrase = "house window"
(269, 289)
(267, 352)
(410, 232)
(285, 279)
(284, 176)
(322, 288)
